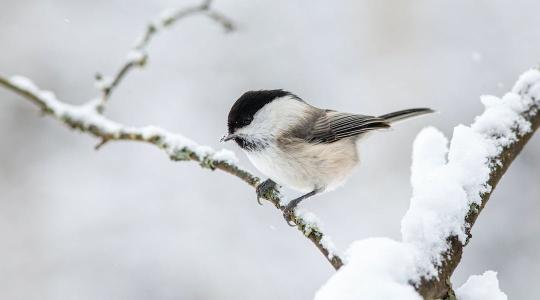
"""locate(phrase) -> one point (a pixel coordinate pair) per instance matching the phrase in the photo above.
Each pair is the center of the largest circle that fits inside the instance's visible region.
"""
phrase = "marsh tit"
(300, 146)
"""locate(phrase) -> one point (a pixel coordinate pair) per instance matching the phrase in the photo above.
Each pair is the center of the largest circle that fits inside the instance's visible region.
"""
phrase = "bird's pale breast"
(306, 167)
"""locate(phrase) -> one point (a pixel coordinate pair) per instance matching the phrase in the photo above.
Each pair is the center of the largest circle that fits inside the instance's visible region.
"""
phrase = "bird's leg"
(263, 188)
(288, 212)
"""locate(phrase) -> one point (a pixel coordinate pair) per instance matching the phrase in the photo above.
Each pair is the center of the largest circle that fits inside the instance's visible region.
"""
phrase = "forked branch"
(89, 118)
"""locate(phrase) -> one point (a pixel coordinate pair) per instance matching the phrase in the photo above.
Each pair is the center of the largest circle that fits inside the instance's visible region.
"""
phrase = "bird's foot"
(264, 188)
(288, 212)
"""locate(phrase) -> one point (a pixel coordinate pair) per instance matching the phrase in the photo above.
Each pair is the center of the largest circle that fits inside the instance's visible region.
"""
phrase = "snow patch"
(166, 16)
(377, 268)
(481, 287)
(103, 83)
(135, 56)
(312, 222)
(444, 192)
(448, 180)
(447, 183)
(225, 156)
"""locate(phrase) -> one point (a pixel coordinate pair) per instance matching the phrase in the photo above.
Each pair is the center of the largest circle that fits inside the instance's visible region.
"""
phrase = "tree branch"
(138, 56)
(451, 185)
(439, 287)
(89, 118)
(86, 118)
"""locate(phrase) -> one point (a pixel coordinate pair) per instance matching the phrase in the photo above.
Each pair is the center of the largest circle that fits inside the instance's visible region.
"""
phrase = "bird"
(299, 146)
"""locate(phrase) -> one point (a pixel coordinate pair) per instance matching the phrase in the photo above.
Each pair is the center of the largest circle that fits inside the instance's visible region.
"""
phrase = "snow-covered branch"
(452, 181)
(138, 56)
(451, 185)
(89, 118)
(478, 157)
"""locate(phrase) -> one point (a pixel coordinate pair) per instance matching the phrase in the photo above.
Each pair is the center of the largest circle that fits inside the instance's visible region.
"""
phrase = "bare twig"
(227, 24)
(86, 119)
(138, 56)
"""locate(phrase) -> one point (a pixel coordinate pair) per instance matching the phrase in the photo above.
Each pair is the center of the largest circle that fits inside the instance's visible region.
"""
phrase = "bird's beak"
(228, 137)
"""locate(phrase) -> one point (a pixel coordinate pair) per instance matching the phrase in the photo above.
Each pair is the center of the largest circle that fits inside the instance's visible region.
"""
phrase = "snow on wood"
(448, 181)
(87, 117)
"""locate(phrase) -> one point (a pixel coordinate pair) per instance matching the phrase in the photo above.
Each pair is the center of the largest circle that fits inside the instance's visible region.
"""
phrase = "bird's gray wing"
(333, 126)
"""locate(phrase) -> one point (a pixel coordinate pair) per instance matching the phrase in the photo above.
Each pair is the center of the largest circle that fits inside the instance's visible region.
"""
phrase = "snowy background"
(125, 222)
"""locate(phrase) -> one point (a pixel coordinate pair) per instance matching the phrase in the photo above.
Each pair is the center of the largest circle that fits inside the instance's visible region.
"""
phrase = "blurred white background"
(127, 223)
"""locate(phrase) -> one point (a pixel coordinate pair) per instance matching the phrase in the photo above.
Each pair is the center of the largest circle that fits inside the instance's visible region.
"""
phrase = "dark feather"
(405, 114)
(243, 110)
(333, 126)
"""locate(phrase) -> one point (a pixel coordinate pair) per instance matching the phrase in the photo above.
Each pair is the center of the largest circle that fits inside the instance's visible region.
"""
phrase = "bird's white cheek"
(258, 130)
(275, 118)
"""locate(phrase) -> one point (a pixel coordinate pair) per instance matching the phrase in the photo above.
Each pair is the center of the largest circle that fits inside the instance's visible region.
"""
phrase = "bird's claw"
(288, 214)
(263, 188)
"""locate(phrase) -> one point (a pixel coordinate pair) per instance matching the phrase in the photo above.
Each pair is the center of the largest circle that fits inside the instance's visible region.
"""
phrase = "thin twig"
(138, 56)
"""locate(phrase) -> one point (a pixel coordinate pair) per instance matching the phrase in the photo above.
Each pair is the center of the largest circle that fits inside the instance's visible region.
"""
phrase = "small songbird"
(300, 146)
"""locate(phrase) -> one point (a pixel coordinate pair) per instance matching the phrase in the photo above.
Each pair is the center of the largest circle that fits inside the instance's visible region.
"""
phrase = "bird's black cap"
(249, 104)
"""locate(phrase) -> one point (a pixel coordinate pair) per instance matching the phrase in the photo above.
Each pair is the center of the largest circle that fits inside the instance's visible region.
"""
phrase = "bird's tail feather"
(405, 114)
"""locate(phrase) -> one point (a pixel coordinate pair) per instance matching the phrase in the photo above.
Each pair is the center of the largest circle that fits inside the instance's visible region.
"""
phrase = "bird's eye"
(245, 122)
